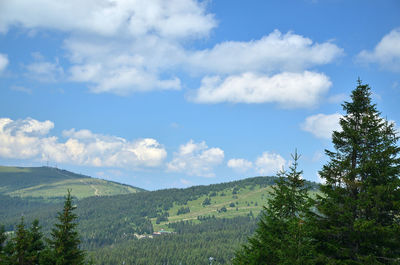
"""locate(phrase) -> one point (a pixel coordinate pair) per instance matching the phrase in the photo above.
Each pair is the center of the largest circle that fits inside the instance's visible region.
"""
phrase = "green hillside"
(213, 219)
(49, 182)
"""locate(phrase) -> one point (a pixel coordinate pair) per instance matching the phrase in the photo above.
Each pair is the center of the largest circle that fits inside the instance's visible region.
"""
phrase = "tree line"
(356, 218)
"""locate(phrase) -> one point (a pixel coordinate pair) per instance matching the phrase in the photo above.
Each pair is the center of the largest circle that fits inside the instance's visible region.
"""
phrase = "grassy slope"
(50, 182)
(246, 200)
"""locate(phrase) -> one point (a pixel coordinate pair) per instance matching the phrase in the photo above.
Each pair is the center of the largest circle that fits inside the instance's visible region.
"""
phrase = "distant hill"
(50, 182)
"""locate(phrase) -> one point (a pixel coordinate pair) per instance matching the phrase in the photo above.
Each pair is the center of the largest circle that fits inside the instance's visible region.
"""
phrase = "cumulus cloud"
(3, 62)
(266, 164)
(322, 125)
(274, 52)
(287, 89)
(172, 19)
(30, 139)
(133, 46)
(386, 53)
(240, 164)
(196, 159)
(269, 163)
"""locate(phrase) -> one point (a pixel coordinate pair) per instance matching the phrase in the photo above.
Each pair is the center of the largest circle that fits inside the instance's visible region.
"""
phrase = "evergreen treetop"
(358, 214)
(65, 239)
(282, 235)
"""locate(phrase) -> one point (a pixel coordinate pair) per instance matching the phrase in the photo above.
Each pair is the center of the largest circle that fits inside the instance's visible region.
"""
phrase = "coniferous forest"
(354, 218)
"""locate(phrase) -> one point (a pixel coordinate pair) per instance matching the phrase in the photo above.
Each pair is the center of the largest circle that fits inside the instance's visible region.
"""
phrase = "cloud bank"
(123, 47)
(30, 139)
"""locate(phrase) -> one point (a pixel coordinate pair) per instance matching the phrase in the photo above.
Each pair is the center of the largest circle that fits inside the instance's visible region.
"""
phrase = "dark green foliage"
(358, 215)
(21, 244)
(235, 190)
(183, 210)
(282, 236)
(223, 209)
(3, 238)
(35, 243)
(192, 244)
(207, 201)
(65, 240)
(163, 217)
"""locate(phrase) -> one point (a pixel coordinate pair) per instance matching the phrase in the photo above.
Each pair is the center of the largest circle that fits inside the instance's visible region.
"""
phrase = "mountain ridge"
(51, 182)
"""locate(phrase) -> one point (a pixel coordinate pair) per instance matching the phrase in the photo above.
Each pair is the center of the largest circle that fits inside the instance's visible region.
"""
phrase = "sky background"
(161, 94)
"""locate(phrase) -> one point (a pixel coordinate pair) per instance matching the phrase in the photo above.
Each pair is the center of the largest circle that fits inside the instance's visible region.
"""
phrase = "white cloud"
(386, 53)
(287, 89)
(196, 159)
(171, 19)
(240, 164)
(322, 125)
(3, 62)
(132, 46)
(29, 139)
(269, 163)
(320, 179)
(44, 71)
(274, 52)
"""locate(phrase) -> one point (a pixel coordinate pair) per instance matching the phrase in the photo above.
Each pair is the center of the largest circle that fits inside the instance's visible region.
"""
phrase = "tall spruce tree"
(358, 214)
(65, 241)
(282, 236)
(21, 244)
(35, 243)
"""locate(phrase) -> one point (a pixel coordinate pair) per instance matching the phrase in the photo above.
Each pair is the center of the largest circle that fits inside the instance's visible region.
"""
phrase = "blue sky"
(177, 93)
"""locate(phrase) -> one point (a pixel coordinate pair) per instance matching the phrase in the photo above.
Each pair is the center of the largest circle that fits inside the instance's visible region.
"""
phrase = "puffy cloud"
(287, 89)
(265, 164)
(386, 53)
(271, 53)
(240, 164)
(322, 125)
(196, 159)
(23, 139)
(269, 163)
(123, 67)
(3, 62)
(125, 46)
(172, 19)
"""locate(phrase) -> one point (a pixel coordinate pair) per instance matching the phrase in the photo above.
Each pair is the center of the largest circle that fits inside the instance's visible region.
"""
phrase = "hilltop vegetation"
(52, 183)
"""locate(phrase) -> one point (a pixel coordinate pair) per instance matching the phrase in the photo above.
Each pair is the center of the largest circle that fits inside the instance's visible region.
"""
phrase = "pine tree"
(358, 214)
(65, 239)
(35, 243)
(282, 236)
(21, 244)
